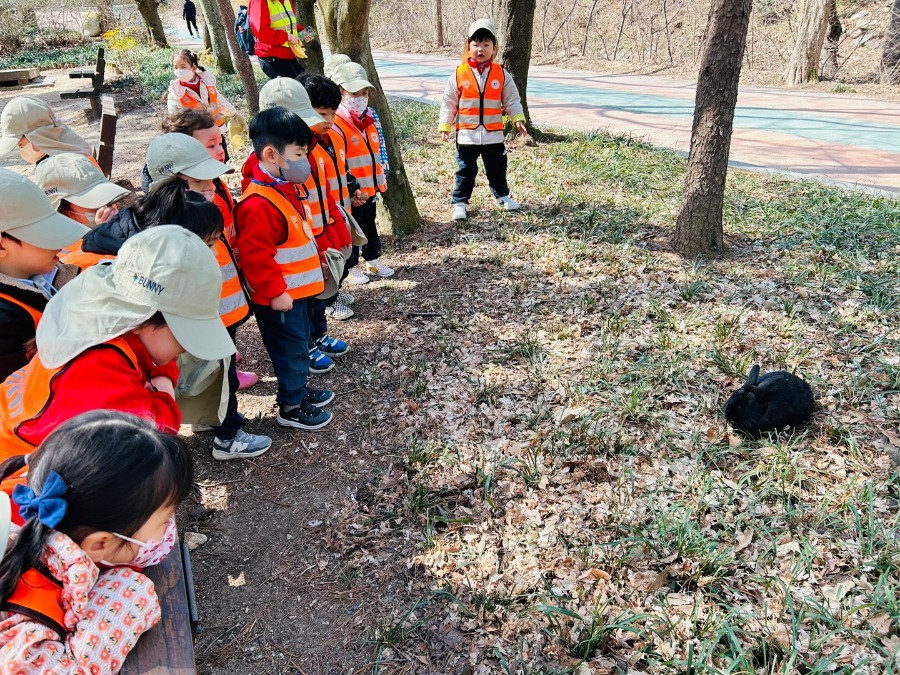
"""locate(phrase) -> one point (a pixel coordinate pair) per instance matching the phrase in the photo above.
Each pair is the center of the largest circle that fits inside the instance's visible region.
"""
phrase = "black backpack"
(243, 33)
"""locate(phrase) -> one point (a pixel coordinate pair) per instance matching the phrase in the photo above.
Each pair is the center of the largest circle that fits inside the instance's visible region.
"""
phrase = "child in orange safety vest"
(31, 236)
(98, 506)
(194, 87)
(477, 95)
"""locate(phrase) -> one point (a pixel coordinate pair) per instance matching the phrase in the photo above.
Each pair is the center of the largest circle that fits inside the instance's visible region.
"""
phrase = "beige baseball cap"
(175, 153)
(164, 269)
(33, 118)
(476, 26)
(76, 179)
(288, 93)
(352, 77)
(333, 62)
(29, 216)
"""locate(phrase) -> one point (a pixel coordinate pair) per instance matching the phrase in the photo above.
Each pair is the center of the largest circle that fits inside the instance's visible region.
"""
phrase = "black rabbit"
(769, 403)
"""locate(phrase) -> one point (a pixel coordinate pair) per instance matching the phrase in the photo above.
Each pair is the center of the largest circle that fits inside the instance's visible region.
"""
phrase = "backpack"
(243, 33)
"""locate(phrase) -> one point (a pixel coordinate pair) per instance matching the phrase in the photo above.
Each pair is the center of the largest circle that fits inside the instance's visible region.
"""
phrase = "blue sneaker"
(332, 346)
(318, 362)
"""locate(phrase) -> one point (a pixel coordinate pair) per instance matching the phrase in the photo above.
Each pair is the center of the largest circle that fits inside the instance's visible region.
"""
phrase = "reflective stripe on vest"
(27, 393)
(189, 100)
(479, 107)
(363, 153)
(38, 595)
(337, 182)
(233, 305)
(282, 17)
(34, 313)
(316, 188)
(298, 256)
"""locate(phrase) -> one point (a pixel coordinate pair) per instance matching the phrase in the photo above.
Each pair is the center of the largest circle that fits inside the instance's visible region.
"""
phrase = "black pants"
(273, 67)
(494, 158)
(318, 322)
(365, 216)
(233, 421)
(192, 21)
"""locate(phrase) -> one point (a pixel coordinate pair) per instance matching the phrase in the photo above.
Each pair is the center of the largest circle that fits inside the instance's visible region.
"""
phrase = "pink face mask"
(150, 552)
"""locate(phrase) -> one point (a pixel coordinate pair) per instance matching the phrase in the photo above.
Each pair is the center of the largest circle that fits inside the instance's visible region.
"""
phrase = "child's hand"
(521, 128)
(104, 213)
(445, 136)
(163, 384)
(359, 198)
(283, 303)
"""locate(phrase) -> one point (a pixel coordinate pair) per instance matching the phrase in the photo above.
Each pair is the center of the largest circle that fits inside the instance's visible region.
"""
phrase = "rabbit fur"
(769, 403)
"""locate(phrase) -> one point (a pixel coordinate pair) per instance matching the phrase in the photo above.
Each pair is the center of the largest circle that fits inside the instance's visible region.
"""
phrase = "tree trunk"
(804, 65)
(830, 66)
(215, 31)
(347, 28)
(149, 10)
(438, 24)
(241, 60)
(890, 57)
(698, 229)
(515, 24)
(306, 16)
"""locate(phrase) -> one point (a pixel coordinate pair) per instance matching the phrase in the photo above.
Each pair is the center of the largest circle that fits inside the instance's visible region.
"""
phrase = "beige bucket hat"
(28, 215)
(162, 269)
(170, 154)
(333, 62)
(476, 26)
(76, 179)
(286, 92)
(33, 118)
(352, 77)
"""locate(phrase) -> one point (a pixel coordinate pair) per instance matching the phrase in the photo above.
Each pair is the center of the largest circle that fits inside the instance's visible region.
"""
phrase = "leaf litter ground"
(529, 471)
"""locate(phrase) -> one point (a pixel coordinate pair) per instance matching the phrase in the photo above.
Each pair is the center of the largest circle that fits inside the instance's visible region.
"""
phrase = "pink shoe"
(246, 380)
(237, 357)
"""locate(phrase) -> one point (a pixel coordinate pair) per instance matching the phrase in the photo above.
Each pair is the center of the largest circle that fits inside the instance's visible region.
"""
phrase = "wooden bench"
(96, 75)
(18, 76)
(108, 119)
(168, 647)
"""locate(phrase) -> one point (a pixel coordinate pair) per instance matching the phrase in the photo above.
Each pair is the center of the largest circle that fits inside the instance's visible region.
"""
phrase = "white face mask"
(150, 552)
(184, 74)
(355, 104)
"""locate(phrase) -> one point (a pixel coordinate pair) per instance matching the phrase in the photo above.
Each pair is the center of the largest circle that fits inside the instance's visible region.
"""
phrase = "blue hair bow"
(49, 507)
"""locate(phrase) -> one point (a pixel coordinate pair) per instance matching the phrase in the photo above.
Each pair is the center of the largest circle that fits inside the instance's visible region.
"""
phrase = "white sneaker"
(338, 311)
(459, 211)
(508, 204)
(345, 298)
(357, 276)
(378, 269)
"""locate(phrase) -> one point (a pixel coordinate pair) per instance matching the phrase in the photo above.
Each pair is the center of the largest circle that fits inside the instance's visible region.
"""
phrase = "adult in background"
(189, 14)
(275, 27)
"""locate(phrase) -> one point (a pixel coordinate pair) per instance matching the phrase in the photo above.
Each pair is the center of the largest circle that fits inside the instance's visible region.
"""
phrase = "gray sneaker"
(243, 445)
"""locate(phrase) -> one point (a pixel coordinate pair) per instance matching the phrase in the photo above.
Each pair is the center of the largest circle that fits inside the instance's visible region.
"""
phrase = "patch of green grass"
(53, 57)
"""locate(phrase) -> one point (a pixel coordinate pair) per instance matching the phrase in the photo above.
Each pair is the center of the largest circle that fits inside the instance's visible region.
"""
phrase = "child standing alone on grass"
(476, 96)
(99, 503)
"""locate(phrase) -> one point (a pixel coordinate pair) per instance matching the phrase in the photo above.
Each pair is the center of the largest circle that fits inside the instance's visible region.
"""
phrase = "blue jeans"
(286, 337)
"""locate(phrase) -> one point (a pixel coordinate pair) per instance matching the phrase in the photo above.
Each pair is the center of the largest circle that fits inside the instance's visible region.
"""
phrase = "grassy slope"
(566, 476)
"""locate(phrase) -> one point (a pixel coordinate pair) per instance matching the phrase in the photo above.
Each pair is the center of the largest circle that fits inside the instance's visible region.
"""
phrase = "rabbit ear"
(753, 376)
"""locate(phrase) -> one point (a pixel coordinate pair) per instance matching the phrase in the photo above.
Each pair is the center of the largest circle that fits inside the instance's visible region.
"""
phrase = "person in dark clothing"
(189, 14)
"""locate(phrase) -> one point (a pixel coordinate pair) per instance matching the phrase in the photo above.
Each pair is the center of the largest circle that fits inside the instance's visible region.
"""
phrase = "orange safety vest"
(38, 595)
(363, 153)
(82, 259)
(233, 304)
(297, 256)
(317, 186)
(191, 100)
(35, 314)
(337, 182)
(480, 107)
(27, 393)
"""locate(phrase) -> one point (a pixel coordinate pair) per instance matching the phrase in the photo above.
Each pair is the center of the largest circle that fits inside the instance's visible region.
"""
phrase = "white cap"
(175, 153)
